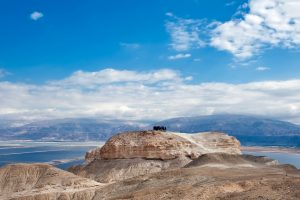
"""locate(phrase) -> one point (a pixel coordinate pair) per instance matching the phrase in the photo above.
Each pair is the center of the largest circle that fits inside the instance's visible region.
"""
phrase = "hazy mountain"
(245, 128)
(232, 124)
(248, 129)
(68, 129)
(10, 123)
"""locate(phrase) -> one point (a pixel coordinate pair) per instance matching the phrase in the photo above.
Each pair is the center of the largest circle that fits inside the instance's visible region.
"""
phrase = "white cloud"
(268, 23)
(189, 78)
(169, 14)
(231, 3)
(185, 33)
(36, 15)
(256, 26)
(179, 56)
(262, 68)
(112, 76)
(155, 95)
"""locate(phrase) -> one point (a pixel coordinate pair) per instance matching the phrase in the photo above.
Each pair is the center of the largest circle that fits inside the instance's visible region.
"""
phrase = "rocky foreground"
(157, 165)
(43, 181)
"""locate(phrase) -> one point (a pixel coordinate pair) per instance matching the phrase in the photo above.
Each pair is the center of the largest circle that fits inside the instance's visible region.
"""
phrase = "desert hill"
(208, 183)
(224, 160)
(137, 153)
(42, 181)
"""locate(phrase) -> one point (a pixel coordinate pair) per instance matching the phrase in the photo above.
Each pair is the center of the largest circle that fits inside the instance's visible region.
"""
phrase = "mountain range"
(245, 128)
(67, 130)
(232, 124)
(249, 130)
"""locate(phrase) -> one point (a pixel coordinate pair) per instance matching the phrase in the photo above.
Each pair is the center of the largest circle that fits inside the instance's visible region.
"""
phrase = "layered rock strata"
(42, 181)
(133, 154)
(164, 145)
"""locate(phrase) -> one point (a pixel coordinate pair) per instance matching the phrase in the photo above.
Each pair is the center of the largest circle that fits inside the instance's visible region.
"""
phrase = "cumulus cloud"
(256, 26)
(36, 15)
(112, 76)
(263, 24)
(133, 95)
(185, 33)
(179, 56)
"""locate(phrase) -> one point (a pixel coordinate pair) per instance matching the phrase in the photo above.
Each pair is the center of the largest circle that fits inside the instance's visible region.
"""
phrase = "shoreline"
(271, 149)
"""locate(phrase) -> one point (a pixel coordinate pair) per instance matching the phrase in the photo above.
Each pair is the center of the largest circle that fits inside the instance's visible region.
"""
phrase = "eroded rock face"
(222, 160)
(163, 145)
(208, 183)
(42, 181)
(133, 154)
(107, 171)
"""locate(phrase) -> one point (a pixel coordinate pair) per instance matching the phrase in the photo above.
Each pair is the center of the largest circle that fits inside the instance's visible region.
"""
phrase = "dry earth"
(43, 181)
(208, 183)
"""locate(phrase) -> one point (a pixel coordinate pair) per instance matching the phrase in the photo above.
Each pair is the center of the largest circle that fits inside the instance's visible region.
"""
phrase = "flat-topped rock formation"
(42, 181)
(164, 145)
(133, 154)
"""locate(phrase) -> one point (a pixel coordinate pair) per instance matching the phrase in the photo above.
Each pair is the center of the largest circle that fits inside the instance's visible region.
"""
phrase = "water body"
(282, 157)
(279, 141)
(60, 154)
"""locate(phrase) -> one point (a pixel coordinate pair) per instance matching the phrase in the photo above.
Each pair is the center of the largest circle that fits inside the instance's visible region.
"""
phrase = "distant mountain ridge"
(68, 130)
(232, 124)
(249, 130)
(85, 129)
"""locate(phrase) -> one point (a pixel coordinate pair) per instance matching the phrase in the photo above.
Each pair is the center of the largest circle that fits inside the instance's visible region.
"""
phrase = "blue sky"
(233, 43)
(88, 35)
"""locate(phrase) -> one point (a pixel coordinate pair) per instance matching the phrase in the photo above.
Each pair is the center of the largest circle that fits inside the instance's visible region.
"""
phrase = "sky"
(149, 60)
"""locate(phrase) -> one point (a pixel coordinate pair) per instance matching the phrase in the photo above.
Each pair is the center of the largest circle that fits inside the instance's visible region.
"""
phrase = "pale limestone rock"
(164, 145)
(133, 154)
(107, 171)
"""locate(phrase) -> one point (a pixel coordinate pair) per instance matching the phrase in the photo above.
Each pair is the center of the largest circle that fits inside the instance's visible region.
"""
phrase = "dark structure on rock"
(159, 128)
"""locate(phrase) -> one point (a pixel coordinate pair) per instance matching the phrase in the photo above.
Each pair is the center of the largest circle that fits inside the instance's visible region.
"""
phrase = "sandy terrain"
(208, 183)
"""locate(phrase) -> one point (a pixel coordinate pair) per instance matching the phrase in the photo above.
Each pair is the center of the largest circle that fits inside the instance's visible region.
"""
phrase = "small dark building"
(159, 128)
